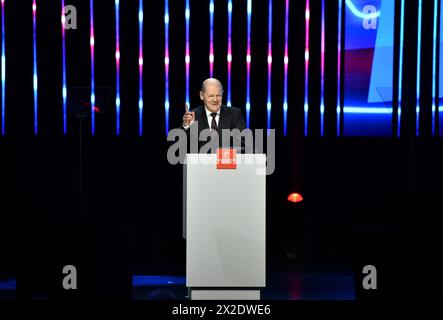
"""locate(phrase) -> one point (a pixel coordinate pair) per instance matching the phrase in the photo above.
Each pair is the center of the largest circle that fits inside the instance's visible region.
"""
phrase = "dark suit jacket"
(230, 118)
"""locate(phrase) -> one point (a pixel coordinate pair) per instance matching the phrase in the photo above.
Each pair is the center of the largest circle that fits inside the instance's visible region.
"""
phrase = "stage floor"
(303, 284)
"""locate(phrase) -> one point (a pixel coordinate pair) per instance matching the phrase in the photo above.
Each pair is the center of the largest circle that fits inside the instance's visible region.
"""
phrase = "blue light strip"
(35, 77)
(417, 110)
(167, 66)
(64, 85)
(367, 110)
(434, 69)
(229, 56)
(400, 65)
(286, 63)
(92, 44)
(439, 108)
(3, 67)
(117, 65)
(269, 101)
(211, 38)
(140, 66)
(322, 70)
(248, 65)
(187, 54)
(155, 280)
(340, 8)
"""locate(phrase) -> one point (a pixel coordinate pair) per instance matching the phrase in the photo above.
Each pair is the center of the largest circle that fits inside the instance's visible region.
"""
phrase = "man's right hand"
(188, 118)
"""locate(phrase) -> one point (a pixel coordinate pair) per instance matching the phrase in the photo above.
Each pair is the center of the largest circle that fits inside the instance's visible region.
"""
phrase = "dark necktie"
(213, 123)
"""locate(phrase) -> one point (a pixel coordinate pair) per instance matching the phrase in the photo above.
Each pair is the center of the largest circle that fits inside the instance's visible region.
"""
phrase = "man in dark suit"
(213, 115)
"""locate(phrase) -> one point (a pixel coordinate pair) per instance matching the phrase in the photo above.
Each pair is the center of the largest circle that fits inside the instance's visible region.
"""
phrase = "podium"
(224, 226)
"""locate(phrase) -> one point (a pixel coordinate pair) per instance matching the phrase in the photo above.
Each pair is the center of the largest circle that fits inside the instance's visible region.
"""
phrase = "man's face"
(212, 97)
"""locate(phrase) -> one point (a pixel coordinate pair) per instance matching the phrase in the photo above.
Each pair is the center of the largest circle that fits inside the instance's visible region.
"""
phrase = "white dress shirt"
(209, 117)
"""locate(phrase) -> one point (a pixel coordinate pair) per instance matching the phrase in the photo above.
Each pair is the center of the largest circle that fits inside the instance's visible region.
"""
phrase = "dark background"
(366, 200)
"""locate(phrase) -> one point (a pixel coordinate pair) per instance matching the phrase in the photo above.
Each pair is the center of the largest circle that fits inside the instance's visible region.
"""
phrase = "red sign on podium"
(226, 159)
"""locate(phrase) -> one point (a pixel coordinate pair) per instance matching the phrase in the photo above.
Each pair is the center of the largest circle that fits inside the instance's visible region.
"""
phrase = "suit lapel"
(223, 121)
(203, 120)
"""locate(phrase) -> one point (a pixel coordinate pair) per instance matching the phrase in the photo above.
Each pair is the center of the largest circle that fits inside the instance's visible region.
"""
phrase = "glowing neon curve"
(359, 14)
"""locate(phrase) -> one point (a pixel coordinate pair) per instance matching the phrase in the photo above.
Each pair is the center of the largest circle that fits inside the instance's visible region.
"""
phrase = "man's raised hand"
(189, 117)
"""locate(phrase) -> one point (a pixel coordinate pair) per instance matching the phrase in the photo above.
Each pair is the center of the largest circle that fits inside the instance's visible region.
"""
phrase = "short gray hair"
(204, 83)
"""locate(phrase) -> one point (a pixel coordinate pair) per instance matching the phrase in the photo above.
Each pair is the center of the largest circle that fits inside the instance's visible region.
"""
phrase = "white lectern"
(224, 227)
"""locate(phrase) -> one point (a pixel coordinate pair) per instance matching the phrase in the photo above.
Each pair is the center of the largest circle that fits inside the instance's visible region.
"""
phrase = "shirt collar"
(208, 113)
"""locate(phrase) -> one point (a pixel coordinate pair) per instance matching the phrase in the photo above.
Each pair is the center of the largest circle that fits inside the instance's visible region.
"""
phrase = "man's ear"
(201, 95)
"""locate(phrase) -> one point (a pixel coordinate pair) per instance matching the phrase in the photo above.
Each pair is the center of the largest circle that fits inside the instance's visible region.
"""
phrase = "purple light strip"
(306, 105)
(188, 53)
(92, 45)
(140, 67)
(286, 63)
(117, 65)
(322, 70)
(211, 38)
(35, 77)
(167, 66)
(3, 68)
(64, 85)
(269, 101)
(229, 56)
(248, 65)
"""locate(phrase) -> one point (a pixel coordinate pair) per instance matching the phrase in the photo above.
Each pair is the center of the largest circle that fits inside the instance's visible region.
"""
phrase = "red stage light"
(295, 197)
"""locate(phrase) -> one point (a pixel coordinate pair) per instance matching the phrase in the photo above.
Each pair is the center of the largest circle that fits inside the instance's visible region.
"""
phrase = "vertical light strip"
(340, 8)
(248, 65)
(322, 70)
(434, 69)
(35, 77)
(188, 53)
(167, 65)
(400, 65)
(439, 71)
(92, 44)
(140, 67)
(64, 85)
(211, 38)
(229, 56)
(306, 106)
(417, 109)
(3, 68)
(286, 63)
(269, 101)
(117, 65)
